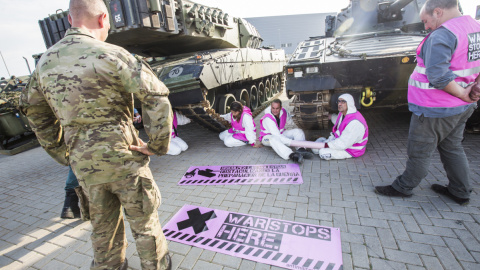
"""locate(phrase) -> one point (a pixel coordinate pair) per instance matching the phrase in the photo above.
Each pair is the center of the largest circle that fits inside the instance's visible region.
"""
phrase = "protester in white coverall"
(243, 129)
(177, 145)
(273, 133)
(345, 141)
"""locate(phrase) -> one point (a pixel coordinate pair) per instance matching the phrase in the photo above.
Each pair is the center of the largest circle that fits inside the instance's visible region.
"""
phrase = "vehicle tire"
(253, 98)
(242, 96)
(262, 96)
(224, 104)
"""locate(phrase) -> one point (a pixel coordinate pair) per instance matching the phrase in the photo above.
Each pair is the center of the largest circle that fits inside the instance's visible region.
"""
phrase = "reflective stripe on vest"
(238, 128)
(283, 122)
(420, 91)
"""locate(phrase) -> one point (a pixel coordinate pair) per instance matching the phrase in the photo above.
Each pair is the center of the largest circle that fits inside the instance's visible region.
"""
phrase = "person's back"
(83, 81)
(79, 102)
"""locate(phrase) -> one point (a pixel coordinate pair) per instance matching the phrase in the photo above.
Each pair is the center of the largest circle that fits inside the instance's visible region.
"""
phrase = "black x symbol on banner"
(196, 220)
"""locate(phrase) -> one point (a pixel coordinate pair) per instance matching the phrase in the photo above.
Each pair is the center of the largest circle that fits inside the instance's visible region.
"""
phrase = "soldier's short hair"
(430, 5)
(86, 8)
(278, 101)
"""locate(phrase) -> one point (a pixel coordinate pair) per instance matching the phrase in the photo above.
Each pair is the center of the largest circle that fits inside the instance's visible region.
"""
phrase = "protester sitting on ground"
(177, 145)
(273, 133)
(243, 130)
(349, 135)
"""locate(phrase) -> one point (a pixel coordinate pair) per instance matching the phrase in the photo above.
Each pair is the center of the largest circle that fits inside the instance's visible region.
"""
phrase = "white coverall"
(279, 141)
(177, 145)
(250, 133)
(352, 134)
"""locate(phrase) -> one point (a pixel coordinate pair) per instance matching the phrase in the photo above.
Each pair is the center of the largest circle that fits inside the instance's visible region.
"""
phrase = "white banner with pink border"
(287, 244)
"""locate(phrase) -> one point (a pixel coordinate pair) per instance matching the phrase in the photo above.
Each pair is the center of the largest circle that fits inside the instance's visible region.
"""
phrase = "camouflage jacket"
(79, 102)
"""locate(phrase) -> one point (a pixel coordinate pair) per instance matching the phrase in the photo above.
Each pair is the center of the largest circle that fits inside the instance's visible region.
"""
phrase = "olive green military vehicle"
(368, 50)
(15, 132)
(206, 58)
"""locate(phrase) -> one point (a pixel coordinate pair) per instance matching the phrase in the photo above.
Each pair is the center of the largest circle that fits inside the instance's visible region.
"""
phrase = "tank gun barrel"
(399, 4)
(388, 11)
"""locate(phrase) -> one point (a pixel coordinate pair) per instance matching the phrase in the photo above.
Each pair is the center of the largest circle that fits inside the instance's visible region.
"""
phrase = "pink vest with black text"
(238, 128)
(465, 63)
(281, 128)
(174, 125)
(357, 149)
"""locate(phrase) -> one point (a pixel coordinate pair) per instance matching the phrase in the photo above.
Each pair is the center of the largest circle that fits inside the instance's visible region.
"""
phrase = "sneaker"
(444, 191)
(296, 157)
(305, 153)
(390, 191)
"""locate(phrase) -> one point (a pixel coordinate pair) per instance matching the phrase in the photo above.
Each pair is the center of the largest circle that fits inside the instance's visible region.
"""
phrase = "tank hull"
(202, 85)
(380, 63)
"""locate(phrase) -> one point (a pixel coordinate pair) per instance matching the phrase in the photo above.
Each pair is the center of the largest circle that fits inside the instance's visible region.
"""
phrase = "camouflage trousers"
(140, 199)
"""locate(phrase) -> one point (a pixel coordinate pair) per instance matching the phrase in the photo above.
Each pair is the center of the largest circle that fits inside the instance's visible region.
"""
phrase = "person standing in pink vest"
(349, 136)
(274, 134)
(177, 145)
(243, 131)
(448, 63)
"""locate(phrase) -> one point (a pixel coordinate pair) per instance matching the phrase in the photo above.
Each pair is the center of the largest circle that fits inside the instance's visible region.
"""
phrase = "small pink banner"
(282, 243)
(272, 174)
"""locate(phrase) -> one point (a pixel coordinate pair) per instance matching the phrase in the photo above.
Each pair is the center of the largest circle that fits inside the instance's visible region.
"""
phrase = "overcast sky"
(21, 36)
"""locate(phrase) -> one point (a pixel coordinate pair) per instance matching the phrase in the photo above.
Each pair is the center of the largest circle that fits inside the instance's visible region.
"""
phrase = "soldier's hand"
(143, 148)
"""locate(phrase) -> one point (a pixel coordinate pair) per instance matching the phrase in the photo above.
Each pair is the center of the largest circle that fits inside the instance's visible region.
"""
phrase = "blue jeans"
(71, 182)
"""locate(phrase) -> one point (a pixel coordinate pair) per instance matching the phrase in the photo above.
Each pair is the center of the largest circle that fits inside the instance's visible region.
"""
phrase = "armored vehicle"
(368, 51)
(205, 57)
(15, 132)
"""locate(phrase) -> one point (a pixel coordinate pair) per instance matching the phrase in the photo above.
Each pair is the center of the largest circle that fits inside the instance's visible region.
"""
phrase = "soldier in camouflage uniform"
(80, 105)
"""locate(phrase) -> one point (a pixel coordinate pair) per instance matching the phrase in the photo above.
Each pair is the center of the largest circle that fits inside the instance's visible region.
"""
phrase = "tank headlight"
(289, 70)
(312, 69)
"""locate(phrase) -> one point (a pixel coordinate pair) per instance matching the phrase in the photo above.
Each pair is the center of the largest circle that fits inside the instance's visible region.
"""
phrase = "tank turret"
(206, 58)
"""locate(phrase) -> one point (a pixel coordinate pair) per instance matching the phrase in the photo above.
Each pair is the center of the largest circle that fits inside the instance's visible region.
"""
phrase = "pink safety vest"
(347, 119)
(238, 128)
(420, 93)
(174, 125)
(281, 128)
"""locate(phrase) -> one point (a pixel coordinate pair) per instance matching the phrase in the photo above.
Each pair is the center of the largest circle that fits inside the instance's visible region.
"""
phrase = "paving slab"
(425, 231)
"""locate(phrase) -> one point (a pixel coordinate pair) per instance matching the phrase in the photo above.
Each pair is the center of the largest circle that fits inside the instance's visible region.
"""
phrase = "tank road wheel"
(253, 98)
(275, 85)
(224, 104)
(268, 89)
(242, 96)
(262, 95)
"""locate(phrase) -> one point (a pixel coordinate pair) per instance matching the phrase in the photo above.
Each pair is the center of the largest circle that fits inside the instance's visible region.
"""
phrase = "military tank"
(368, 50)
(15, 132)
(205, 57)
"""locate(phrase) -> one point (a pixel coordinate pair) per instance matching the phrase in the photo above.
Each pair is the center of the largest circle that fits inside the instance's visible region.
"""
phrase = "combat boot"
(296, 157)
(70, 206)
(124, 265)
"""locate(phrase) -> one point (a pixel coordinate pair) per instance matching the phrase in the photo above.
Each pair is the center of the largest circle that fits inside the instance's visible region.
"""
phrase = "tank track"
(204, 115)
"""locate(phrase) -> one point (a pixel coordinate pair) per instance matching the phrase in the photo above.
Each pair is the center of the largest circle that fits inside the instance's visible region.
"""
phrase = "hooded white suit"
(352, 134)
